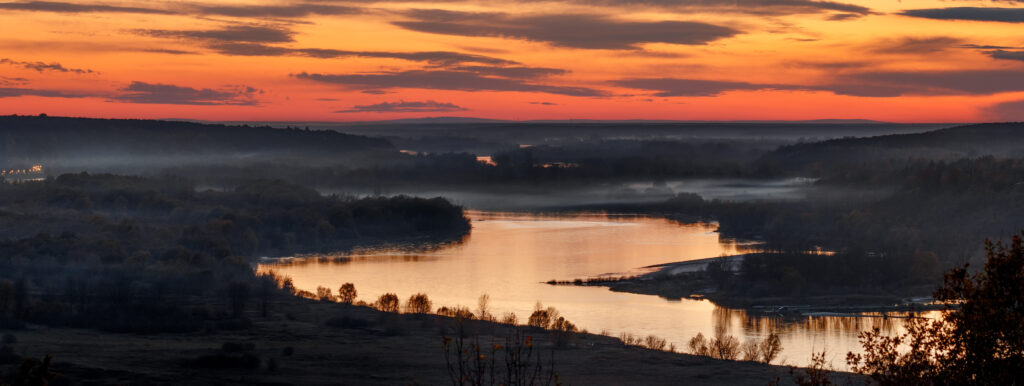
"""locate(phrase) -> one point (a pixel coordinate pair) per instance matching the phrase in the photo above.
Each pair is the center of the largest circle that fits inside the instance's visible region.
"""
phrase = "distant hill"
(996, 139)
(72, 142)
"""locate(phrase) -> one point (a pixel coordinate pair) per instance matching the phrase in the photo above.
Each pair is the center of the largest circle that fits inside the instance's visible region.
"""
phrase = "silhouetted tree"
(978, 340)
(418, 304)
(387, 302)
(347, 293)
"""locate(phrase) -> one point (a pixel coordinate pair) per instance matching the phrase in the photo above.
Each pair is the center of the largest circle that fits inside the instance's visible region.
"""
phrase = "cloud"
(405, 107)
(12, 92)
(567, 30)
(60, 7)
(987, 47)
(444, 80)
(41, 67)
(434, 58)
(844, 16)
(754, 7)
(518, 72)
(168, 51)
(544, 103)
(277, 11)
(881, 84)
(142, 92)
(1012, 111)
(228, 34)
(376, 92)
(917, 45)
(958, 82)
(1006, 55)
(1005, 15)
(12, 81)
(674, 87)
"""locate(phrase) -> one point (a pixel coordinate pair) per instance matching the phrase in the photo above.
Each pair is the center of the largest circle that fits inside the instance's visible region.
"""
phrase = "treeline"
(584, 165)
(112, 144)
(145, 255)
(825, 157)
(886, 230)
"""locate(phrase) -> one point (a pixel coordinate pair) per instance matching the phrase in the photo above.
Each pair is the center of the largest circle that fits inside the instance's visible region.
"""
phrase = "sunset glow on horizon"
(326, 60)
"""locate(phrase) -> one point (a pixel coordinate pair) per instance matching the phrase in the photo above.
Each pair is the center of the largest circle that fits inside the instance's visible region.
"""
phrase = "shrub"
(655, 343)
(699, 345)
(751, 350)
(347, 293)
(539, 319)
(461, 312)
(324, 294)
(418, 304)
(977, 341)
(387, 303)
(724, 347)
(770, 348)
(483, 307)
(517, 362)
(288, 351)
(562, 331)
(510, 318)
(9, 339)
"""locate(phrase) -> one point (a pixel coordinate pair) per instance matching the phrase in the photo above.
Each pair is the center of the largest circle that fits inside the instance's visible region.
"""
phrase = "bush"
(324, 294)
(699, 345)
(751, 350)
(977, 341)
(510, 318)
(655, 343)
(288, 351)
(9, 339)
(418, 304)
(770, 347)
(461, 312)
(347, 293)
(387, 303)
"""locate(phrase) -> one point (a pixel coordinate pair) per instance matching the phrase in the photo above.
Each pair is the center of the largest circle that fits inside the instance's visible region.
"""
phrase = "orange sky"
(326, 60)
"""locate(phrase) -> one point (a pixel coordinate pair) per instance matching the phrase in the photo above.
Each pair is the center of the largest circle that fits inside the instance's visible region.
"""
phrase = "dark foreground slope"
(298, 345)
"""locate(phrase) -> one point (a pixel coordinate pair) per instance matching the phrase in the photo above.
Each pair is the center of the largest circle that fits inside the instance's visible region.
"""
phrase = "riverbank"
(311, 343)
(691, 280)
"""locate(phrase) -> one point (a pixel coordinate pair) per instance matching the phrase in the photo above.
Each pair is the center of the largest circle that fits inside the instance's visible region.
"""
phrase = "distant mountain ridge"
(37, 139)
(997, 139)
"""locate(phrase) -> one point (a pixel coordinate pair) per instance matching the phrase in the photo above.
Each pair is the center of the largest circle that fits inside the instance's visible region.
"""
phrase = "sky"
(359, 60)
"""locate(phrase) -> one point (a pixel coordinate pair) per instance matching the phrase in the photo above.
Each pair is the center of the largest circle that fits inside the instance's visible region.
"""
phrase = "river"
(509, 256)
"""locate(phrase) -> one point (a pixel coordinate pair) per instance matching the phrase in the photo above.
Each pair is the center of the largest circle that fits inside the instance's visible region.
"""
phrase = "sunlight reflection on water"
(510, 255)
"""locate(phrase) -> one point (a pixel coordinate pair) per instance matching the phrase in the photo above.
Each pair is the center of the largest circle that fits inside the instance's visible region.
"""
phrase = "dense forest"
(136, 254)
(890, 226)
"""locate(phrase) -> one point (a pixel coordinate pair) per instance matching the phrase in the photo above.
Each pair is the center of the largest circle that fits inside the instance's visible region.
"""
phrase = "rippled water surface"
(509, 255)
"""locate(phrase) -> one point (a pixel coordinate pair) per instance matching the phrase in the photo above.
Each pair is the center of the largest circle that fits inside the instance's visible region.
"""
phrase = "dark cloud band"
(405, 107)
(567, 30)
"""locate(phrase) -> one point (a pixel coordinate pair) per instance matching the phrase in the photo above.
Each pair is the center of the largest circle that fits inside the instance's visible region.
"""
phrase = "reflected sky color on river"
(510, 255)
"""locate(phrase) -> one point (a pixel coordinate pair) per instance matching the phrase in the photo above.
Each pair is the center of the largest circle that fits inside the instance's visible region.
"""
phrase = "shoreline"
(681, 280)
